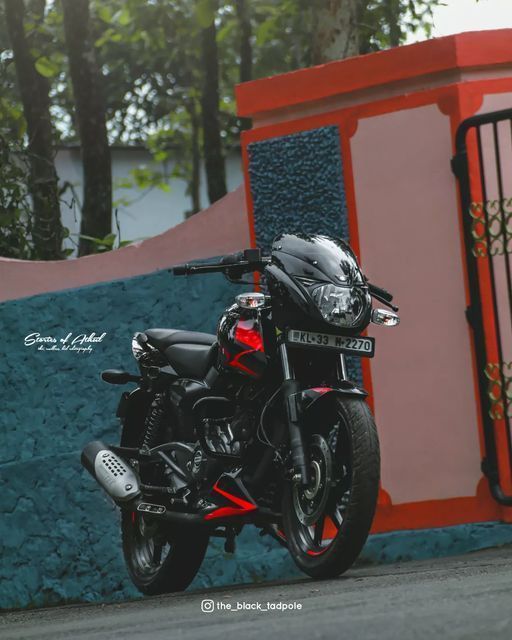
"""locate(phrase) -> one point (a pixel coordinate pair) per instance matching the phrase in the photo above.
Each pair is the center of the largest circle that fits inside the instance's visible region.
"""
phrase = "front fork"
(291, 393)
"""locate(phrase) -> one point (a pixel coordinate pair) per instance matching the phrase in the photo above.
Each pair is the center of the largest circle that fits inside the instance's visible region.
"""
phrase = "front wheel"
(326, 524)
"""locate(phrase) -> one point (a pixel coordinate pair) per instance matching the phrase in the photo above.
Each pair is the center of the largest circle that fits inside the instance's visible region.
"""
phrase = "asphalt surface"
(461, 597)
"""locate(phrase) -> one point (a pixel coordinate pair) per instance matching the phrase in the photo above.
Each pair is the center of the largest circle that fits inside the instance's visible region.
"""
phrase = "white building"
(141, 213)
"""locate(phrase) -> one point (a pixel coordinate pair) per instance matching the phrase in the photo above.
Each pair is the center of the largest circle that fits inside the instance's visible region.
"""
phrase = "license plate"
(360, 346)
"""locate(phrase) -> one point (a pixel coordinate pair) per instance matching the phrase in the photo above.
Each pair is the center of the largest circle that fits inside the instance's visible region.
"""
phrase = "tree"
(336, 30)
(246, 54)
(212, 141)
(90, 115)
(46, 228)
(393, 10)
(343, 28)
(171, 67)
(195, 151)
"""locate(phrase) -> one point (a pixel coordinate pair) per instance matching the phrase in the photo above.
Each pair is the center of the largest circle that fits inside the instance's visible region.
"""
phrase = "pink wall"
(409, 238)
(222, 228)
(397, 112)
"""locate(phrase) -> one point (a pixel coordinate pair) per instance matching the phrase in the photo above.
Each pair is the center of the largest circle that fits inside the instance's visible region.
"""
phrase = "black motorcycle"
(258, 425)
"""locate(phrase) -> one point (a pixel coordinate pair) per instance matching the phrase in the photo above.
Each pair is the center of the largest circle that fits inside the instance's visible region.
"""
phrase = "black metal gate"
(483, 166)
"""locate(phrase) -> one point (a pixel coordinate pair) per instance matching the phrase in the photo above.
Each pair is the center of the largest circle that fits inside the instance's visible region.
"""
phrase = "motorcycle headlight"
(341, 306)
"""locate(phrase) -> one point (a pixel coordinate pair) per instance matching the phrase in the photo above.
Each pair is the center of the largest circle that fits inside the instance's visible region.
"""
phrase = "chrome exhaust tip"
(112, 473)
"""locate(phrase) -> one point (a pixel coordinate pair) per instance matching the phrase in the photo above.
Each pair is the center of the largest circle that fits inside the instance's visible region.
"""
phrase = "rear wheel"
(327, 523)
(161, 560)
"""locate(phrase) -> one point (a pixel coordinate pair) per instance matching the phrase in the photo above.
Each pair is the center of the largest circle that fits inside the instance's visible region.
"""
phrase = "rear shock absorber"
(154, 421)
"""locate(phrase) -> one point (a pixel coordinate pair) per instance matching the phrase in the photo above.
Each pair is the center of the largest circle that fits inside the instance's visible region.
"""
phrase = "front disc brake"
(310, 502)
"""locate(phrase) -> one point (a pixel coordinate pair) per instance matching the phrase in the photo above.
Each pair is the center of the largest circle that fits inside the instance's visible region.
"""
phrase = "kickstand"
(230, 545)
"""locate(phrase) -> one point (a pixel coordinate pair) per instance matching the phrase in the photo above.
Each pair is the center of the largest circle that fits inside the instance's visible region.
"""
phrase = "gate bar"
(474, 314)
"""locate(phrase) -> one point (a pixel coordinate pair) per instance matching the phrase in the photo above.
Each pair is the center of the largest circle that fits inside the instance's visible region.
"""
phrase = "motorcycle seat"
(163, 338)
(189, 352)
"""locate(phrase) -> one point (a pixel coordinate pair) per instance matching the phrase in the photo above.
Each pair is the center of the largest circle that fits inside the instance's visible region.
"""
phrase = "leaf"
(264, 32)
(123, 17)
(105, 14)
(226, 31)
(205, 13)
(160, 156)
(46, 67)
(109, 240)
(97, 241)
(123, 183)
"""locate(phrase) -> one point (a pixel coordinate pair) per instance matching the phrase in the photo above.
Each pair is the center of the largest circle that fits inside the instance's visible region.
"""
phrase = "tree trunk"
(34, 90)
(195, 179)
(336, 30)
(212, 141)
(393, 12)
(244, 21)
(90, 114)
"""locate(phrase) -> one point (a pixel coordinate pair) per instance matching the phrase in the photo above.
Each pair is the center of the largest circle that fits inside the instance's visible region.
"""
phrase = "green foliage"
(47, 67)
(149, 57)
(383, 21)
(15, 218)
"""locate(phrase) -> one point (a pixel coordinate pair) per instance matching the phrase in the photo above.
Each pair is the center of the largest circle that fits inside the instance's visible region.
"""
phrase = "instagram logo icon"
(207, 606)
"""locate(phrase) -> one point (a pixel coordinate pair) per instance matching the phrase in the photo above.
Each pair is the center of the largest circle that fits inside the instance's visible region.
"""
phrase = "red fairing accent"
(249, 336)
(321, 389)
(243, 506)
(235, 362)
(316, 553)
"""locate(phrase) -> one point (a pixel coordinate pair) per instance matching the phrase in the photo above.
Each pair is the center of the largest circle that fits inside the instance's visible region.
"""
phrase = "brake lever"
(385, 302)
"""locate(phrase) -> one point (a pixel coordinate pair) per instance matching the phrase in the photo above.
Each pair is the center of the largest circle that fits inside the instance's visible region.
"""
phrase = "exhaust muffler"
(110, 471)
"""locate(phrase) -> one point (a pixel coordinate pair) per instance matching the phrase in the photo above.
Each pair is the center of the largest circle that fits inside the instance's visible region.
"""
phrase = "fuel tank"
(241, 344)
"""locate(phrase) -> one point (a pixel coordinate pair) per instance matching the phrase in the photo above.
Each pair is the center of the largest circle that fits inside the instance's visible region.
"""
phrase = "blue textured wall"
(59, 537)
(297, 186)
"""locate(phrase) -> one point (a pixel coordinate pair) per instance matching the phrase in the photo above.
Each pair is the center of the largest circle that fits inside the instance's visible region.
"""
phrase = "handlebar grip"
(180, 269)
(381, 292)
(232, 258)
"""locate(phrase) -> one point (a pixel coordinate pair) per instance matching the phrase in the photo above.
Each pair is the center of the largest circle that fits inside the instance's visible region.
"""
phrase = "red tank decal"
(246, 334)
(242, 506)
(235, 362)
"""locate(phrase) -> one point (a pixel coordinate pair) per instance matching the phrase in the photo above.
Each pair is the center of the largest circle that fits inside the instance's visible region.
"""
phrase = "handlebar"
(237, 264)
(382, 295)
(243, 262)
(380, 292)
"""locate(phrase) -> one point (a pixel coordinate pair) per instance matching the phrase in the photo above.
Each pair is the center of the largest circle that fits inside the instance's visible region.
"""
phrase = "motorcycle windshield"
(317, 257)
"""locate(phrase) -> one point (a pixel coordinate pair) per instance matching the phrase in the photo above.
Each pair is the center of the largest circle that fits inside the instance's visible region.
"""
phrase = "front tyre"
(327, 523)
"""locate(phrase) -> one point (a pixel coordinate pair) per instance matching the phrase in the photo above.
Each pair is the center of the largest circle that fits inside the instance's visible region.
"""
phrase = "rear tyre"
(326, 524)
(161, 560)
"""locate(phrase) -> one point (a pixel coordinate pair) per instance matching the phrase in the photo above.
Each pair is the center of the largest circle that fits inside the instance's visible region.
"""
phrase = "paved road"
(466, 597)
